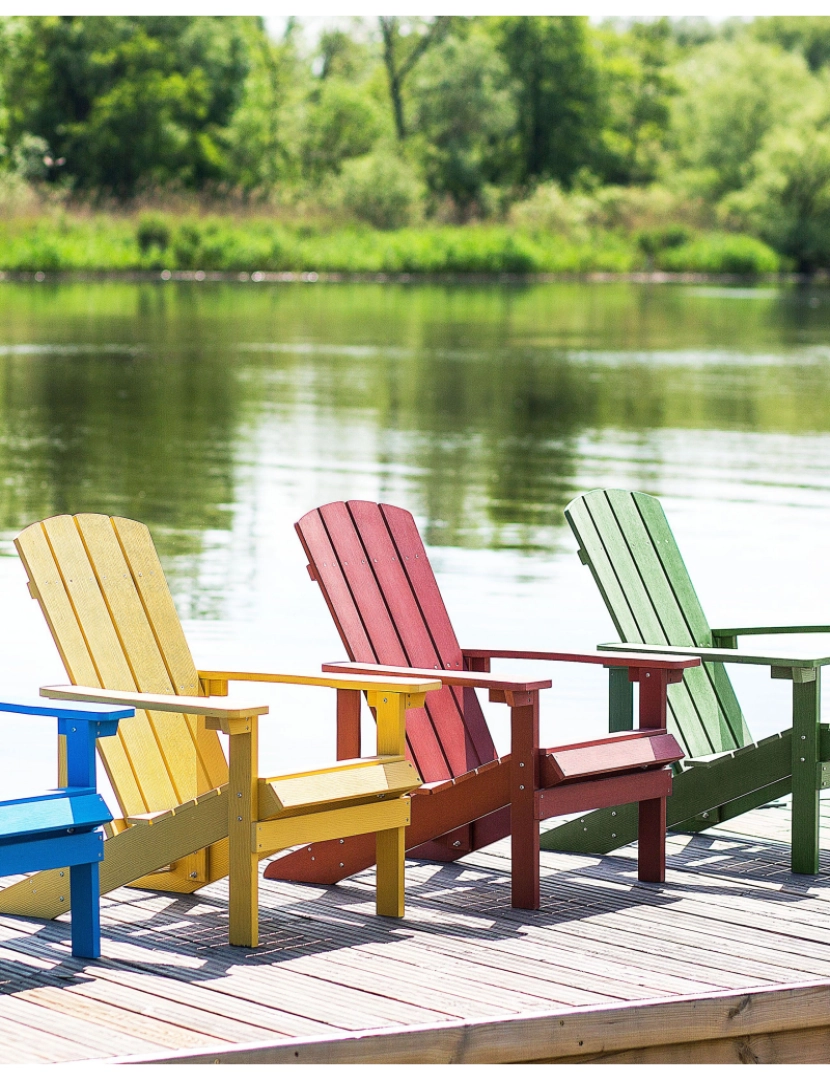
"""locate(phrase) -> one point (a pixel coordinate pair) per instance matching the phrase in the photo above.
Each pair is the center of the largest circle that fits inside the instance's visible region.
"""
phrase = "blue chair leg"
(86, 916)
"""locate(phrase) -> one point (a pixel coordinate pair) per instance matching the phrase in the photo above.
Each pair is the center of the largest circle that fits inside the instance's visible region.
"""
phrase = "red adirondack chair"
(375, 576)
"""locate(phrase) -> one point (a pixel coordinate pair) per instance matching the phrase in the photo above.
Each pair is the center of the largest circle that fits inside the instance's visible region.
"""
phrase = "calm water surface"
(218, 413)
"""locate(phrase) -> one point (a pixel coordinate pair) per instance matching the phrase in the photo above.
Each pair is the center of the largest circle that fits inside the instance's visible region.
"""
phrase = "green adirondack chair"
(625, 540)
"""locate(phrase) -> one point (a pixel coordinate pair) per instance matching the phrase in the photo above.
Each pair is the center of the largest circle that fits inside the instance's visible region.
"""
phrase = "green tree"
(465, 114)
(638, 86)
(342, 121)
(130, 101)
(264, 134)
(343, 56)
(788, 199)
(558, 92)
(733, 93)
(405, 41)
(806, 34)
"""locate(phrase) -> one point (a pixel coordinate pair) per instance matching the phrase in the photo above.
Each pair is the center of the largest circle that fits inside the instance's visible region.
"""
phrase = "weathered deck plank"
(729, 917)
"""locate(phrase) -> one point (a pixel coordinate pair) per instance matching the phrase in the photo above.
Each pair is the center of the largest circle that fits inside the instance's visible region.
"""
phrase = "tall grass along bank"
(110, 242)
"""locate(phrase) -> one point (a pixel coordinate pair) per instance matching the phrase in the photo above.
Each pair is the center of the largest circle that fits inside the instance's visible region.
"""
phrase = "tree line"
(549, 122)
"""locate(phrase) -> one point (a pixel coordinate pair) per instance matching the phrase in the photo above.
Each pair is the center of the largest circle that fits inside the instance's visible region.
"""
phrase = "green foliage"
(733, 94)
(636, 138)
(404, 42)
(343, 122)
(788, 200)
(153, 231)
(558, 93)
(655, 240)
(342, 56)
(720, 253)
(634, 211)
(465, 114)
(806, 34)
(263, 136)
(128, 101)
(381, 189)
(638, 88)
(550, 209)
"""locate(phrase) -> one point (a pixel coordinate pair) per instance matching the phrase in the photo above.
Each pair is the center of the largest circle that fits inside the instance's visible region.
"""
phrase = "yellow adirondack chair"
(103, 592)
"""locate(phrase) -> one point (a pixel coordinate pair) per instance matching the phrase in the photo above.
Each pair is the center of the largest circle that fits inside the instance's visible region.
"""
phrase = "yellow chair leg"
(243, 905)
(390, 881)
(391, 727)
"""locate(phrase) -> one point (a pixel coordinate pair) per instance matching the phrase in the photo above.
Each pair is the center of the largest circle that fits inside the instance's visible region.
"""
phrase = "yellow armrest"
(198, 706)
(382, 684)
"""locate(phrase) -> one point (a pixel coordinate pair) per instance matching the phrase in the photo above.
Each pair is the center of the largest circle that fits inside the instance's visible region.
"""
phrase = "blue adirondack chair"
(62, 828)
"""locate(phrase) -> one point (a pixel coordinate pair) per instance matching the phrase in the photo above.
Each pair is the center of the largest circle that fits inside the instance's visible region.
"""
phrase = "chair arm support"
(723, 656)
(80, 727)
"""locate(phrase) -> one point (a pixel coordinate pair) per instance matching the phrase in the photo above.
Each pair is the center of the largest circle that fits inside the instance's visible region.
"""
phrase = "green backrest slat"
(615, 570)
(734, 731)
(626, 541)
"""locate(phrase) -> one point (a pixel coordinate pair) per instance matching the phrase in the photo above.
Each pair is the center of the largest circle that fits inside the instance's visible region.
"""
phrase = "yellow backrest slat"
(141, 652)
(47, 584)
(96, 623)
(103, 592)
(160, 612)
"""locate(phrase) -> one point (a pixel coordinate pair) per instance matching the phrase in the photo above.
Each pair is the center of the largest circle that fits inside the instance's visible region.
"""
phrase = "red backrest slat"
(416, 565)
(335, 588)
(351, 592)
(446, 708)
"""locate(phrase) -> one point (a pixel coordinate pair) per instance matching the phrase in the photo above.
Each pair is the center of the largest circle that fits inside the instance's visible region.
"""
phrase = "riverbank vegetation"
(452, 144)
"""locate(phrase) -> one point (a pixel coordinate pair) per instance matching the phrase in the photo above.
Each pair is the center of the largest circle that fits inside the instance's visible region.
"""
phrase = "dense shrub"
(381, 189)
(720, 253)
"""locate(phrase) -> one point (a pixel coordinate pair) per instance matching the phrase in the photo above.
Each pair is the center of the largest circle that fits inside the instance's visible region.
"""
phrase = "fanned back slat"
(340, 566)
(627, 543)
(427, 599)
(108, 637)
(148, 575)
(445, 708)
(37, 557)
(359, 553)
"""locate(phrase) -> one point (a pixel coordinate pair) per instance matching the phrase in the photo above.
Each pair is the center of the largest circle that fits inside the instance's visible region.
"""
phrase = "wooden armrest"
(92, 714)
(197, 706)
(620, 659)
(478, 679)
(742, 631)
(409, 683)
(724, 656)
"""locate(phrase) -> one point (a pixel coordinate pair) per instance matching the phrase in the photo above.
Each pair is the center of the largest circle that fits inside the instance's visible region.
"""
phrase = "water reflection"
(218, 413)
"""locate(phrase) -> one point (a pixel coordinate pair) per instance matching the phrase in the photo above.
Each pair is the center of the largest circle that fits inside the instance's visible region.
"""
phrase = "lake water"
(220, 412)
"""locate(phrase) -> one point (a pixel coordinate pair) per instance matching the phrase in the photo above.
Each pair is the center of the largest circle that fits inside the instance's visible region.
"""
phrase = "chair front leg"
(651, 840)
(524, 782)
(243, 811)
(651, 831)
(390, 844)
(805, 822)
(86, 915)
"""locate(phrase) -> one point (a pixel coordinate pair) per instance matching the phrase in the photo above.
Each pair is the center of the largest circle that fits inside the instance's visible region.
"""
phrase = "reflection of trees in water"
(123, 413)
(143, 396)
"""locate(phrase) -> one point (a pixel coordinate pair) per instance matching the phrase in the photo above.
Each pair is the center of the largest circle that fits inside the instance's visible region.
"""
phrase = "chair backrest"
(625, 540)
(101, 587)
(371, 566)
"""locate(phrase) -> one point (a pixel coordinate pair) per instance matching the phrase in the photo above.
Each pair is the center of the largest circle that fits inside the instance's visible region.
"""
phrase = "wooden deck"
(609, 969)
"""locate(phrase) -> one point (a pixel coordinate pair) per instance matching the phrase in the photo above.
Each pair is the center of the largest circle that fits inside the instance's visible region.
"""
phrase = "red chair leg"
(651, 843)
(524, 780)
